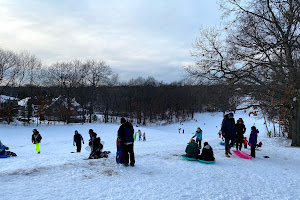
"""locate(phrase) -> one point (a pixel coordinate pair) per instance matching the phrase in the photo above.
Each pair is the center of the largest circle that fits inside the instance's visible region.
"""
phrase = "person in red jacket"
(245, 142)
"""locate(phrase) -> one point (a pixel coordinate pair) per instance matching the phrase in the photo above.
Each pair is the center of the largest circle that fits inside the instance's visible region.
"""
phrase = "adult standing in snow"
(77, 140)
(240, 130)
(36, 139)
(228, 131)
(125, 136)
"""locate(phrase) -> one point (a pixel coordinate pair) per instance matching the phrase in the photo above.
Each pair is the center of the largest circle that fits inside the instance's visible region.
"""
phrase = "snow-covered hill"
(159, 173)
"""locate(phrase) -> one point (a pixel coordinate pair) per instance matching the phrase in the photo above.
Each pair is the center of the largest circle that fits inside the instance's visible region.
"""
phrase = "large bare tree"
(261, 50)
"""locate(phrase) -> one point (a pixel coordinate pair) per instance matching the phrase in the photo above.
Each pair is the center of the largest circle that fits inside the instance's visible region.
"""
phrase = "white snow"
(23, 102)
(4, 98)
(159, 173)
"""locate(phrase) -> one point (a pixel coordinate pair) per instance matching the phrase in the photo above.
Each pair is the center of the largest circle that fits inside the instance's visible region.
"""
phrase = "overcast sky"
(135, 37)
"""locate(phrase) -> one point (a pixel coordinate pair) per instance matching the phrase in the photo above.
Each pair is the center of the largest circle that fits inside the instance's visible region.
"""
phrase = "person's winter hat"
(91, 131)
(123, 120)
(34, 130)
(230, 114)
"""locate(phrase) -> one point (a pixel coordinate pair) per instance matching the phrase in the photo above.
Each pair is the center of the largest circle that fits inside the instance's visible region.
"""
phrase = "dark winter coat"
(253, 138)
(126, 133)
(36, 138)
(207, 153)
(228, 128)
(77, 138)
(240, 130)
(192, 150)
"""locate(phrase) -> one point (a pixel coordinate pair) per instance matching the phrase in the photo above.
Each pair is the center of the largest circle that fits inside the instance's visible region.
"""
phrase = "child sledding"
(4, 153)
(192, 153)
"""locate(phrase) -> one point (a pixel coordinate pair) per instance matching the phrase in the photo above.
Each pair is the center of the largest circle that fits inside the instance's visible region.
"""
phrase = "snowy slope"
(160, 172)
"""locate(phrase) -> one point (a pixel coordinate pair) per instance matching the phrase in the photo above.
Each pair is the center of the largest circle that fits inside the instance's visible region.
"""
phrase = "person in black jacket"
(36, 139)
(125, 136)
(240, 130)
(228, 132)
(77, 140)
(207, 153)
(96, 148)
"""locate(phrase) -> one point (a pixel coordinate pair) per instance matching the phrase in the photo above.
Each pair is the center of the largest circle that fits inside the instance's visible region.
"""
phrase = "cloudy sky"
(135, 37)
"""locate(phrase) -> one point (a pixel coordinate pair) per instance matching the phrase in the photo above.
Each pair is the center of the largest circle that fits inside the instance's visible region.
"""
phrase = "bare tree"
(262, 49)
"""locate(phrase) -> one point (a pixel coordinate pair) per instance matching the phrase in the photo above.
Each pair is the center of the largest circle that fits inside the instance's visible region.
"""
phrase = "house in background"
(61, 110)
(27, 108)
(8, 108)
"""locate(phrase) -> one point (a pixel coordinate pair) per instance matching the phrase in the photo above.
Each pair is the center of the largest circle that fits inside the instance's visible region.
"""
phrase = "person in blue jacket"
(228, 131)
(3, 148)
(253, 140)
(125, 136)
(198, 135)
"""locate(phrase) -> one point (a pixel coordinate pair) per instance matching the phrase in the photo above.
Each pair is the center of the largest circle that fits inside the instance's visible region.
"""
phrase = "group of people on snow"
(125, 136)
(234, 133)
(194, 146)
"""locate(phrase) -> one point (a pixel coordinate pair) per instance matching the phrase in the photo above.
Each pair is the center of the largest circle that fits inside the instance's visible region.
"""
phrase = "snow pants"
(37, 147)
(253, 152)
(128, 152)
(78, 145)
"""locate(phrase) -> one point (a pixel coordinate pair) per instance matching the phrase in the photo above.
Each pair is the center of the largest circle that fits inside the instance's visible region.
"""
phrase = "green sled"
(187, 158)
(206, 162)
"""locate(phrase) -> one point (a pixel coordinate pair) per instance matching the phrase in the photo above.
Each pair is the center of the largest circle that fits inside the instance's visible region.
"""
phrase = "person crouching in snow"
(2, 149)
(192, 149)
(36, 139)
(77, 140)
(96, 147)
(198, 135)
(253, 140)
(207, 153)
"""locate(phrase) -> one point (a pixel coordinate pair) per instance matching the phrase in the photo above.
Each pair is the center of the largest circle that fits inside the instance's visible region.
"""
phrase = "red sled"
(242, 155)
(119, 154)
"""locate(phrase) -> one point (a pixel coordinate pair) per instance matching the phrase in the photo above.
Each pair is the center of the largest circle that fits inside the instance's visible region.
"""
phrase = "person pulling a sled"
(77, 140)
(207, 153)
(36, 139)
(125, 136)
